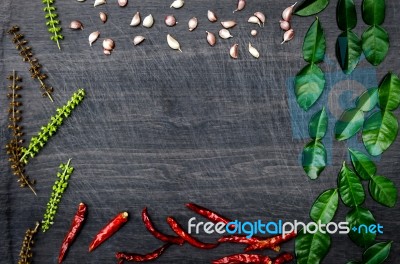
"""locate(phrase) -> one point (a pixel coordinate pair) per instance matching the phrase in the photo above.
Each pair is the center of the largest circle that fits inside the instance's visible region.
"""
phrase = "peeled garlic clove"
(93, 37)
(135, 20)
(103, 17)
(288, 36)
(177, 4)
(225, 34)
(211, 16)
(253, 32)
(192, 24)
(170, 21)
(253, 51)
(138, 39)
(106, 52)
(234, 51)
(173, 43)
(240, 5)
(211, 38)
(148, 21)
(99, 2)
(254, 20)
(284, 25)
(122, 3)
(75, 24)
(108, 44)
(228, 24)
(287, 13)
(260, 16)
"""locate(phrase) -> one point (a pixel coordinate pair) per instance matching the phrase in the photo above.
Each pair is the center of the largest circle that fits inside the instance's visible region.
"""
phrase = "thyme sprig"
(25, 255)
(38, 142)
(58, 189)
(52, 21)
(27, 56)
(14, 146)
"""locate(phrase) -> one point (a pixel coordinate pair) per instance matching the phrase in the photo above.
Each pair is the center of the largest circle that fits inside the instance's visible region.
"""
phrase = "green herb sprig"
(25, 255)
(52, 23)
(38, 142)
(58, 189)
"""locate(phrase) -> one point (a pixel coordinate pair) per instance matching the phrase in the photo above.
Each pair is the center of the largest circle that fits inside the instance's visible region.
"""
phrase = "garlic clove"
(106, 52)
(211, 38)
(177, 4)
(224, 34)
(173, 43)
(254, 20)
(288, 36)
(75, 24)
(212, 17)
(284, 25)
(99, 2)
(240, 5)
(253, 32)
(135, 20)
(93, 37)
(122, 3)
(234, 51)
(148, 21)
(170, 21)
(103, 17)
(253, 51)
(192, 24)
(138, 39)
(108, 44)
(81, 0)
(287, 13)
(228, 24)
(260, 16)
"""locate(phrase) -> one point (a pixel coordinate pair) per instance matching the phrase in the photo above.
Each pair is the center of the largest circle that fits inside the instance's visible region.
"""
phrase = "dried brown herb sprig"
(14, 146)
(25, 255)
(27, 56)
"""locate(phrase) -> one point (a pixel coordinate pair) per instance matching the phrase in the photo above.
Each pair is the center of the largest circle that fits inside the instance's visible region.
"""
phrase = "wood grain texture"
(160, 128)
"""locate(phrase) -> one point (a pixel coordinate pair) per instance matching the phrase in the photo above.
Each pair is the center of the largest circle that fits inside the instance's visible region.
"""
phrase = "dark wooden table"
(160, 128)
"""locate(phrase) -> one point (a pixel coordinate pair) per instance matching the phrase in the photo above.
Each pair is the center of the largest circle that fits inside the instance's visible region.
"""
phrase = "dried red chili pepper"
(121, 256)
(157, 234)
(107, 231)
(187, 237)
(210, 215)
(244, 240)
(283, 258)
(271, 242)
(76, 226)
(244, 258)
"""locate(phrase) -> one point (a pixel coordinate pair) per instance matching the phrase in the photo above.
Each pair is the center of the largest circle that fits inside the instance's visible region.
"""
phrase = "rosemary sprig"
(14, 146)
(52, 21)
(38, 142)
(25, 255)
(26, 53)
(58, 189)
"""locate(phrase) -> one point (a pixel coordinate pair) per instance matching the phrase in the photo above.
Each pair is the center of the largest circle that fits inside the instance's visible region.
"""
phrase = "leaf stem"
(55, 32)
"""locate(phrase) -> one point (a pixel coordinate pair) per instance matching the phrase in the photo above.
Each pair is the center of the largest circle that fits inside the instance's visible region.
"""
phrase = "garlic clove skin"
(253, 51)
(135, 20)
(192, 23)
(212, 17)
(254, 20)
(287, 13)
(260, 16)
(228, 24)
(253, 32)
(177, 4)
(148, 21)
(99, 2)
(288, 36)
(93, 37)
(108, 44)
(225, 34)
(170, 21)
(106, 52)
(75, 24)
(103, 17)
(234, 51)
(240, 5)
(138, 39)
(173, 43)
(211, 38)
(284, 25)
(122, 3)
